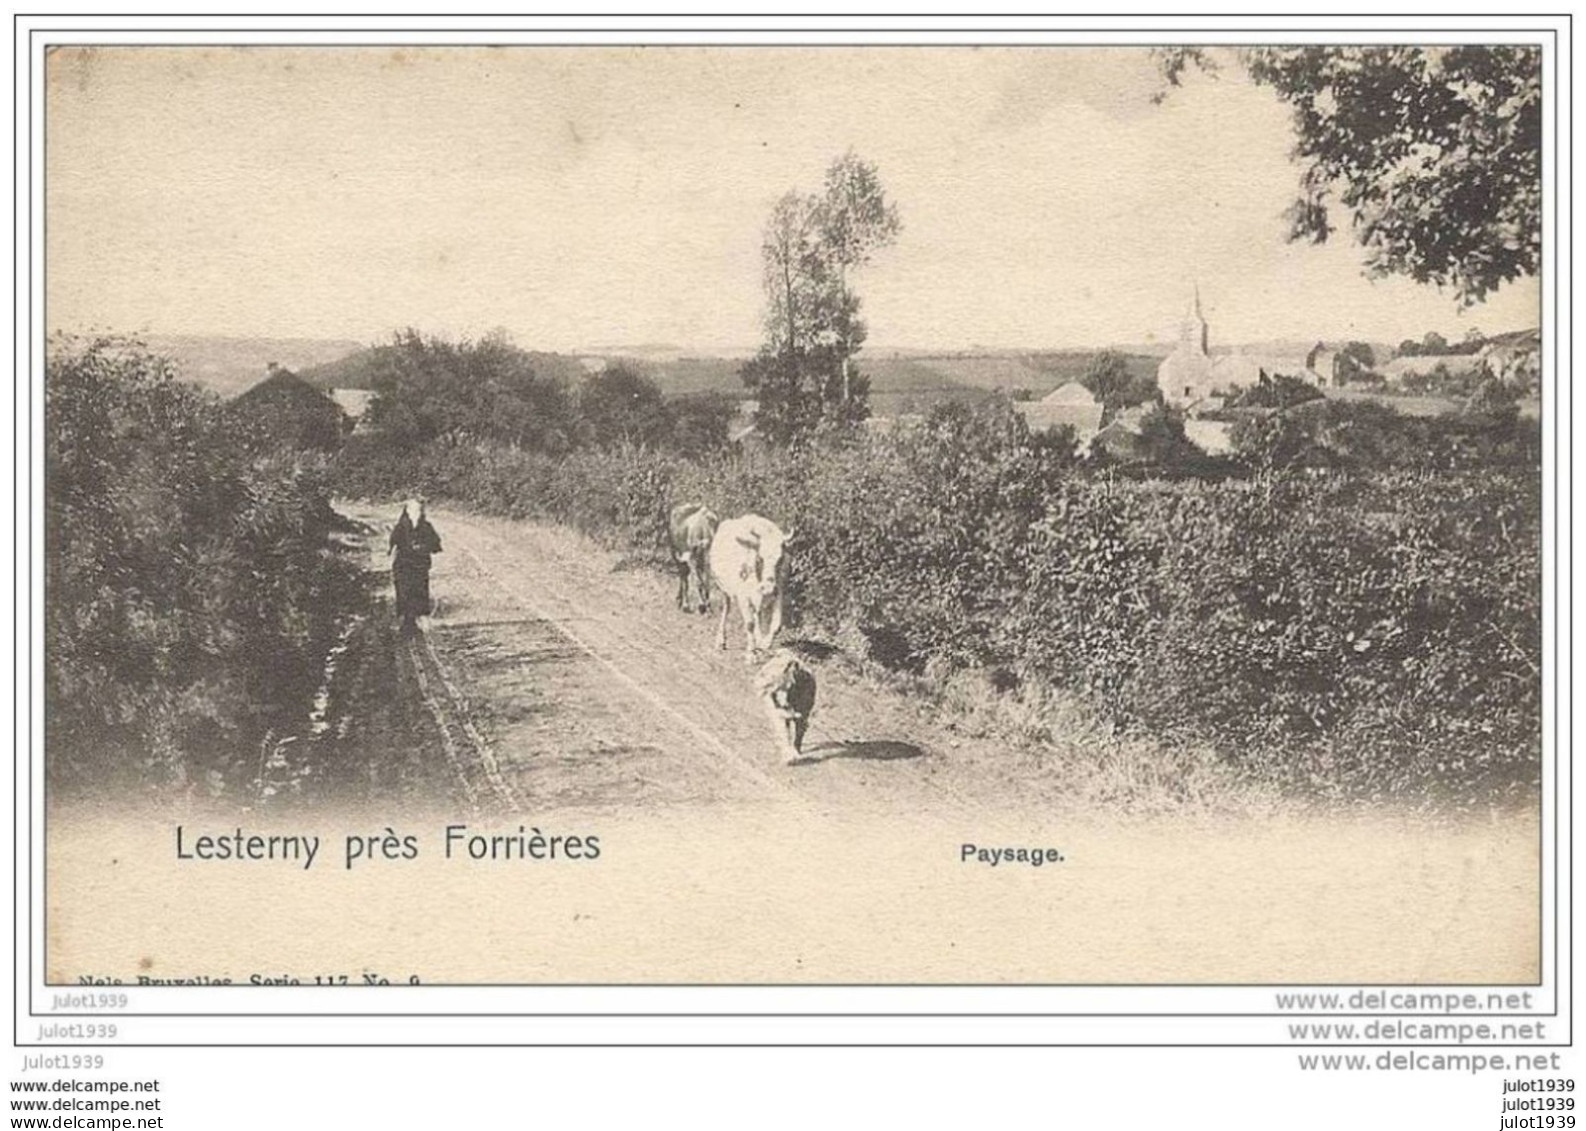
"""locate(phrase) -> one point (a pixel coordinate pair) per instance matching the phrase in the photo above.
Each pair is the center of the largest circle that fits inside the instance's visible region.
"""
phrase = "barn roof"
(1085, 419)
(1069, 393)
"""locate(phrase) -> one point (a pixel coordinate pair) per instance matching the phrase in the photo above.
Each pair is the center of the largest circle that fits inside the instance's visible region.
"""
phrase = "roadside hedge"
(192, 588)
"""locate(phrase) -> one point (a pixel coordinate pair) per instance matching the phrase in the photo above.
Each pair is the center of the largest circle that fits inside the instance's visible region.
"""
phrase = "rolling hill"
(230, 365)
(901, 380)
(357, 370)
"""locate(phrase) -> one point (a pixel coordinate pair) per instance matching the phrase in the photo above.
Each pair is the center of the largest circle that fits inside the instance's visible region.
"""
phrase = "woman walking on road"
(413, 541)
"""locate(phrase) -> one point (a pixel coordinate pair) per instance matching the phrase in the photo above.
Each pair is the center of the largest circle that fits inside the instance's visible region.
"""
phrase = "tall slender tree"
(811, 244)
(795, 273)
(856, 220)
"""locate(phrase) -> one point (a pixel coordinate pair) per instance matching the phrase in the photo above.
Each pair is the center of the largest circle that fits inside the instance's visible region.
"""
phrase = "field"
(901, 382)
(228, 366)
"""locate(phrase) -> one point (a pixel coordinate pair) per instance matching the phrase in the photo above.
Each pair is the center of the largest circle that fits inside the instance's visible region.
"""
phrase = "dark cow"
(692, 527)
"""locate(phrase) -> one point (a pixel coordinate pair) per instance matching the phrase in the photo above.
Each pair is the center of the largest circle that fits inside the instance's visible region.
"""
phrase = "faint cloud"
(1115, 82)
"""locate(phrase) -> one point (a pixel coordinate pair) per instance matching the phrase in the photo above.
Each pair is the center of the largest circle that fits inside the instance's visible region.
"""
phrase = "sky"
(580, 198)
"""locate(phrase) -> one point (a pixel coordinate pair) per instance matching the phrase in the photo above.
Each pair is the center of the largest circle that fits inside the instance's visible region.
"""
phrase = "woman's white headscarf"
(413, 508)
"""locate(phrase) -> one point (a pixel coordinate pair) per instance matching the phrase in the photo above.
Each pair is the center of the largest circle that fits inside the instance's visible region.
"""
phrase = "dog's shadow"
(875, 750)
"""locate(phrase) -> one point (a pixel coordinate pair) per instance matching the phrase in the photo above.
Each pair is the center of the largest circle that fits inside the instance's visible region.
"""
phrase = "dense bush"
(432, 390)
(190, 588)
(1359, 632)
(1279, 391)
(700, 422)
(1371, 436)
(1109, 377)
(429, 389)
(798, 393)
(619, 407)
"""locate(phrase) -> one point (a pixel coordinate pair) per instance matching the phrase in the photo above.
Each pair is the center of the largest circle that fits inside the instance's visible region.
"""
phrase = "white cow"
(749, 564)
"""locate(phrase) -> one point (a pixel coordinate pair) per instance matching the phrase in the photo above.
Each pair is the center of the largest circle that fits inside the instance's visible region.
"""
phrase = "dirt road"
(557, 678)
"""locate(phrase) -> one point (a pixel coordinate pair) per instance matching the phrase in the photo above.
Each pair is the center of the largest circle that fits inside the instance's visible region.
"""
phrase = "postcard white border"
(1086, 1015)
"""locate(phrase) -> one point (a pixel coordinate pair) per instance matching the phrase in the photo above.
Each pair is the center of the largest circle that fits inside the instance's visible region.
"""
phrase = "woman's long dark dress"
(412, 546)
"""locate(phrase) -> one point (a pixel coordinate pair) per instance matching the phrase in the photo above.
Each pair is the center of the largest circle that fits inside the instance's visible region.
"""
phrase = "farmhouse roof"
(1121, 439)
(1070, 392)
(1041, 415)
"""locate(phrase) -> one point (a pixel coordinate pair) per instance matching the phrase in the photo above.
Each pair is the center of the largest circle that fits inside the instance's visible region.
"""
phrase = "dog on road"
(787, 691)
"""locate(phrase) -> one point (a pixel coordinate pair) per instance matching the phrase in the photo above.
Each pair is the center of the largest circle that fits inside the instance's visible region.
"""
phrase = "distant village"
(1209, 387)
(1426, 378)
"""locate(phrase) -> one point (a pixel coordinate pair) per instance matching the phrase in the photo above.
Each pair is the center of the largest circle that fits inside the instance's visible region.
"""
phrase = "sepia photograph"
(794, 515)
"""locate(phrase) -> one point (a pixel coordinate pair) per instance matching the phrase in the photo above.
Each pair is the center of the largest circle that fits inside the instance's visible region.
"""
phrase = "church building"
(1191, 373)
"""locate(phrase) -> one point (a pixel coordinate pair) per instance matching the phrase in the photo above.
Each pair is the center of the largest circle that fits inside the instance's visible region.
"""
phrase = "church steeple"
(1192, 334)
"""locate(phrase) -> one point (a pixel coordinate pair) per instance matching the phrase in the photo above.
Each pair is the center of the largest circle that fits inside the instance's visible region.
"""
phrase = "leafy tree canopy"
(804, 376)
(1278, 391)
(1434, 152)
(619, 406)
(1109, 379)
(428, 388)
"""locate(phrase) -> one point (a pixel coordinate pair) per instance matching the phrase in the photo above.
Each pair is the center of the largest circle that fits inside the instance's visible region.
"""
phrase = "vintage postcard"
(793, 515)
